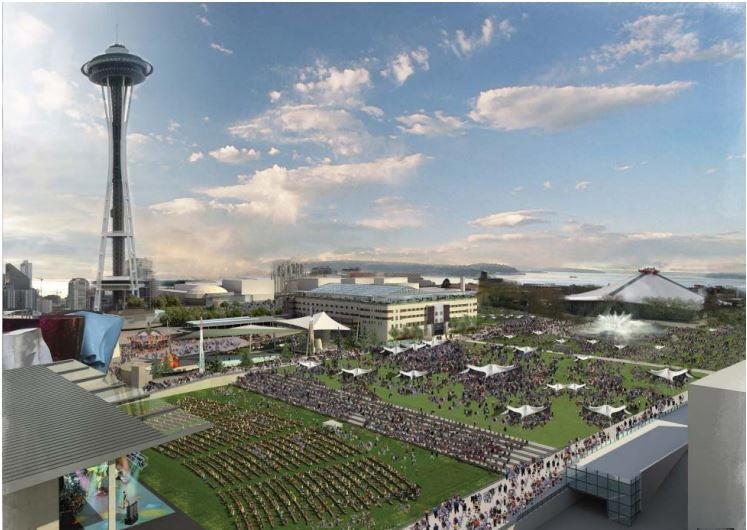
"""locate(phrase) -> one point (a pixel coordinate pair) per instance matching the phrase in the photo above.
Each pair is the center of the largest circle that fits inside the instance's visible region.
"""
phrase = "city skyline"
(477, 133)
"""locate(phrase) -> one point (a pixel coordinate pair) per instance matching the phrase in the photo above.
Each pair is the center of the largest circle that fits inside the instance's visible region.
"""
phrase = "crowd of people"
(488, 449)
(181, 347)
(260, 468)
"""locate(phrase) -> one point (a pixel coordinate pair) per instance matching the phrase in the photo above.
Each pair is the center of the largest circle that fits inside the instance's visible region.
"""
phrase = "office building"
(77, 294)
(27, 269)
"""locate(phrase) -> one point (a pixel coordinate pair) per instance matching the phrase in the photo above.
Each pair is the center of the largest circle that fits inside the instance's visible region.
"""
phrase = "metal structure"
(117, 71)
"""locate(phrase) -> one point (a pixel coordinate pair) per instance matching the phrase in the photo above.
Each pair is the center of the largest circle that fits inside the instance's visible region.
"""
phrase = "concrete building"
(77, 294)
(283, 272)
(18, 295)
(28, 269)
(252, 289)
(310, 283)
(198, 293)
(379, 308)
(716, 470)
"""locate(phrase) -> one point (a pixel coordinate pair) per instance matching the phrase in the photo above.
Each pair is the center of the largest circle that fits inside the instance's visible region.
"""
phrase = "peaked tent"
(525, 349)
(396, 349)
(538, 332)
(557, 387)
(575, 386)
(668, 374)
(560, 341)
(491, 369)
(355, 372)
(309, 364)
(412, 374)
(606, 410)
(509, 337)
(320, 321)
(525, 410)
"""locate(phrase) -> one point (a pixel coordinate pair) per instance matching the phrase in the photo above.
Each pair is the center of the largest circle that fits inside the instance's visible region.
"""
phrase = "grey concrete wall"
(716, 471)
(35, 508)
(653, 476)
(548, 511)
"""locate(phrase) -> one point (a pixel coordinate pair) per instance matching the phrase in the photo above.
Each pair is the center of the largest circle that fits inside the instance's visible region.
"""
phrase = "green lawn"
(438, 477)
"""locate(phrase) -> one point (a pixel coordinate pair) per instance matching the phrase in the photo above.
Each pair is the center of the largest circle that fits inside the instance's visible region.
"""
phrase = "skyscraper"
(77, 294)
(26, 268)
(117, 71)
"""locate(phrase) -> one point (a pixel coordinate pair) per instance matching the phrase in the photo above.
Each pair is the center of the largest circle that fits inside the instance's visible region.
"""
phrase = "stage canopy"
(668, 374)
(355, 372)
(321, 322)
(491, 369)
(412, 374)
(241, 331)
(607, 410)
(524, 410)
(309, 364)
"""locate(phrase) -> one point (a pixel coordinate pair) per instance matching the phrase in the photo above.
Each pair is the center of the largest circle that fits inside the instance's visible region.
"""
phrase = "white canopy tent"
(524, 410)
(396, 349)
(571, 386)
(583, 357)
(491, 369)
(509, 337)
(417, 346)
(668, 374)
(309, 364)
(319, 321)
(432, 342)
(620, 346)
(659, 347)
(355, 372)
(607, 410)
(332, 425)
(412, 374)
(538, 332)
(560, 341)
(525, 349)
(557, 387)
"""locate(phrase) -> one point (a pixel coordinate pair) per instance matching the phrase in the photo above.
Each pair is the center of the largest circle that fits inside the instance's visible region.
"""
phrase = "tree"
(246, 360)
(446, 284)
(135, 302)
(214, 366)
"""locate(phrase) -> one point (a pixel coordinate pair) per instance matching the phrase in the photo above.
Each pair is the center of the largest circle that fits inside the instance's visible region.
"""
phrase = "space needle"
(117, 71)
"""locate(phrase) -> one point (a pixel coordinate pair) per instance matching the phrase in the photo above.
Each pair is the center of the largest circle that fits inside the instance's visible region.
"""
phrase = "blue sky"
(607, 135)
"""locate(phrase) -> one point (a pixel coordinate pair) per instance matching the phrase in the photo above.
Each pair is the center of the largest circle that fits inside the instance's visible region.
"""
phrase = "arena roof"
(52, 426)
(391, 293)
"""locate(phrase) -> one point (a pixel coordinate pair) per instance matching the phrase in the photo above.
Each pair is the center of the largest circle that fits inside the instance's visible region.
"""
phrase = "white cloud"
(511, 219)
(195, 156)
(331, 86)
(464, 46)
(553, 108)
(221, 48)
(173, 126)
(711, 171)
(478, 238)
(547, 185)
(204, 20)
(336, 128)
(180, 206)
(423, 125)
(736, 157)
(274, 95)
(373, 111)
(206, 119)
(403, 65)
(582, 184)
(517, 189)
(661, 38)
(230, 154)
(394, 213)
(25, 30)
(137, 138)
(624, 167)
(280, 194)
(52, 91)
(273, 151)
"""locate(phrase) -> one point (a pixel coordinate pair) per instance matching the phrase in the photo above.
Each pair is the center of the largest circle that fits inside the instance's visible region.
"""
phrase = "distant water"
(601, 279)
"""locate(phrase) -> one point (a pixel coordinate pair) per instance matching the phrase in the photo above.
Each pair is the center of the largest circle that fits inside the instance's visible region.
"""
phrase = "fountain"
(616, 326)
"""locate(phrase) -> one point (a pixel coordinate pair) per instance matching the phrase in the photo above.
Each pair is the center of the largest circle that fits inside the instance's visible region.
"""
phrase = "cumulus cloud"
(511, 219)
(173, 126)
(404, 65)
(52, 90)
(736, 157)
(478, 238)
(273, 151)
(552, 108)
(336, 128)
(658, 39)
(230, 154)
(373, 111)
(546, 185)
(180, 206)
(279, 193)
(221, 48)
(440, 124)
(274, 95)
(326, 85)
(394, 213)
(623, 167)
(26, 31)
(464, 45)
(195, 156)
(582, 184)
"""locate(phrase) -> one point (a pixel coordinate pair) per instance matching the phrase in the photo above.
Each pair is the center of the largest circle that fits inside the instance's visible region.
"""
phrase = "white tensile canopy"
(355, 372)
(560, 341)
(509, 337)
(583, 357)
(491, 369)
(396, 349)
(607, 410)
(525, 349)
(524, 410)
(309, 364)
(417, 346)
(320, 321)
(571, 386)
(412, 374)
(659, 347)
(620, 346)
(592, 341)
(432, 342)
(332, 424)
(668, 374)
(538, 332)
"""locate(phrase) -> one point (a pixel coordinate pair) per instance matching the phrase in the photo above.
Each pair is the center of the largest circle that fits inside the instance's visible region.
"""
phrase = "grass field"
(438, 477)
(566, 422)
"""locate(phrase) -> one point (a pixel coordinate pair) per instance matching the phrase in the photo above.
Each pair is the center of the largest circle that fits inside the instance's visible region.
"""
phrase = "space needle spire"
(117, 71)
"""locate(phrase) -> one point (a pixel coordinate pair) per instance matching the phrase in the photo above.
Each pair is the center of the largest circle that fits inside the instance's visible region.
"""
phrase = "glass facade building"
(623, 495)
